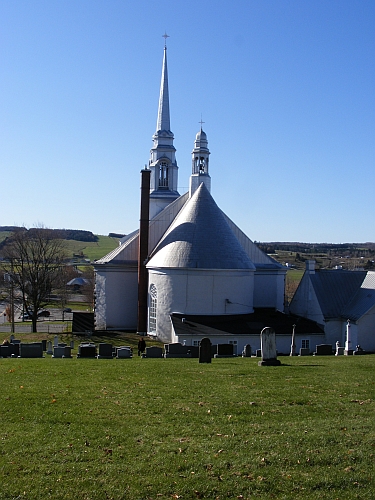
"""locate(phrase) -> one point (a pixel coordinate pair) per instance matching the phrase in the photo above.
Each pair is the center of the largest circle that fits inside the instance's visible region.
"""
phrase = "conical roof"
(200, 237)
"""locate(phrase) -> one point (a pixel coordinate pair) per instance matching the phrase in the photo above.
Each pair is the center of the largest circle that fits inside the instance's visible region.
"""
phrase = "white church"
(205, 277)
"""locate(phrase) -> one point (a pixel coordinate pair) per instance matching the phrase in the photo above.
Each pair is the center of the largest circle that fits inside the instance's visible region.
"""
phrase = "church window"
(152, 309)
(305, 344)
(196, 343)
(163, 175)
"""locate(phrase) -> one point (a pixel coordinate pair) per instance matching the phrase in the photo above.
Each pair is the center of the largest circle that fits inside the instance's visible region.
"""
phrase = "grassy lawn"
(174, 428)
(92, 250)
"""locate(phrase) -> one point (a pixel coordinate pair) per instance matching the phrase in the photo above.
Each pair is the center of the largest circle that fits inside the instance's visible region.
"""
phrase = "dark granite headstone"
(153, 352)
(246, 353)
(31, 350)
(176, 350)
(124, 352)
(67, 352)
(58, 351)
(205, 350)
(304, 351)
(15, 350)
(5, 351)
(86, 351)
(224, 351)
(323, 350)
(105, 351)
(44, 342)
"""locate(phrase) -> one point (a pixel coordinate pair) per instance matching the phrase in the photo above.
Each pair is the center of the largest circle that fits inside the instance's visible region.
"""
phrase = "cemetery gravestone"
(205, 350)
(67, 352)
(86, 351)
(124, 352)
(304, 351)
(246, 353)
(49, 348)
(105, 351)
(58, 351)
(153, 352)
(268, 348)
(176, 350)
(224, 351)
(31, 350)
(323, 350)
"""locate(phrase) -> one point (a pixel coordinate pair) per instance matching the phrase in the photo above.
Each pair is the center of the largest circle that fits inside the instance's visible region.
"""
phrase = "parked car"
(25, 316)
(44, 314)
(67, 310)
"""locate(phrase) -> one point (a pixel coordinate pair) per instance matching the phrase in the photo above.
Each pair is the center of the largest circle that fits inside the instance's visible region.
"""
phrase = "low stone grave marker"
(124, 352)
(67, 352)
(268, 347)
(153, 352)
(5, 351)
(58, 351)
(224, 351)
(86, 351)
(105, 351)
(246, 353)
(304, 351)
(323, 350)
(176, 350)
(49, 348)
(205, 350)
(31, 350)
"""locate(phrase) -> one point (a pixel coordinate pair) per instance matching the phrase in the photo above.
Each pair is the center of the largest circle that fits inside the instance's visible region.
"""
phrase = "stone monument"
(205, 350)
(268, 347)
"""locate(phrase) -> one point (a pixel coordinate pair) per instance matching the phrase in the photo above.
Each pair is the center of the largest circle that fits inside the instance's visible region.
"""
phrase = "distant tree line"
(64, 234)
(353, 249)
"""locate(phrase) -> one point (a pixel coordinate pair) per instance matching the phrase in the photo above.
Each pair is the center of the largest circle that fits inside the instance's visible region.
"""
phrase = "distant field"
(92, 250)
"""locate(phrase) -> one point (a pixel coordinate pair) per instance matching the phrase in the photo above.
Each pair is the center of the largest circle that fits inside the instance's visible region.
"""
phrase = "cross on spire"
(165, 36)
(201, 122)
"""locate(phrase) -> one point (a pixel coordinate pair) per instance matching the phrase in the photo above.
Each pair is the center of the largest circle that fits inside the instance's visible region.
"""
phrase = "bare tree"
(34, 260)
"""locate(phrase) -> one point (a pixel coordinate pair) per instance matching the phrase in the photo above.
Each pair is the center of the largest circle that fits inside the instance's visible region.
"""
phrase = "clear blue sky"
(285, 88)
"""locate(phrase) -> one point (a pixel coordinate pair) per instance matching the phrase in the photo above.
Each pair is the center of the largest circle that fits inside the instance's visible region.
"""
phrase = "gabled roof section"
(363, 300)
(335, 290)
(200, 237)
(128, 250)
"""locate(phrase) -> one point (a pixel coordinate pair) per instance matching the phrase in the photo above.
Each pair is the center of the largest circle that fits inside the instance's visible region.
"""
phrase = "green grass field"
(174, 428)
(92, 250)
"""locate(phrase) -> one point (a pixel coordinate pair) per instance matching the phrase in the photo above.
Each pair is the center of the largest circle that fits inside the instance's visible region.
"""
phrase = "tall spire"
(163, 122)
(163, 164)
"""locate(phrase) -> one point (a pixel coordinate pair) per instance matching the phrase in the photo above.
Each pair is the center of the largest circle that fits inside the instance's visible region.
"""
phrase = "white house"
(332, 297)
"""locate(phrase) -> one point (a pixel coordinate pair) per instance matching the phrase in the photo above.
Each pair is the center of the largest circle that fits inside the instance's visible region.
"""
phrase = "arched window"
(163, 175)
(152, 309)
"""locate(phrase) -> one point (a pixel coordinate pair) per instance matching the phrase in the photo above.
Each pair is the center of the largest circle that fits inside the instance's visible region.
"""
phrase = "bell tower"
(163, 164)
(200, 158)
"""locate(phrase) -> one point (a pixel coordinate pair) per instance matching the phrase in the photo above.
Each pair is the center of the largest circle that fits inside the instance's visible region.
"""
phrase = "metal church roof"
(200, 237)
(335, 289)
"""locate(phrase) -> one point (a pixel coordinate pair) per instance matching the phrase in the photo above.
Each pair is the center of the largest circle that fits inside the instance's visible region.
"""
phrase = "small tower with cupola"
(200, 158)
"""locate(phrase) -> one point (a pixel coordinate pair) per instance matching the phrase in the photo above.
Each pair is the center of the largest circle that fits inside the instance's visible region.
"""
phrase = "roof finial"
(165, 36)
(201, 122)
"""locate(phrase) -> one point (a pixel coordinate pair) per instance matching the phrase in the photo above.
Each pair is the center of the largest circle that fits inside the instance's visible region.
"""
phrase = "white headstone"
(55, 341)
(268, 347)
(49, 347)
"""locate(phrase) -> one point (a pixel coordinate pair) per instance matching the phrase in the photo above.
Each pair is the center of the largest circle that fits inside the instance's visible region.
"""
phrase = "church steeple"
(200, 158)
(163, 164)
